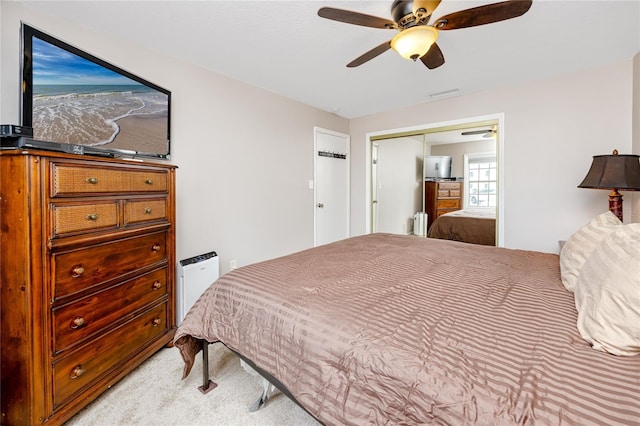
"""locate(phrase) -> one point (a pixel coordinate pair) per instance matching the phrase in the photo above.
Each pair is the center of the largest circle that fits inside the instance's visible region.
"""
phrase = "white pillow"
(607, 294)
(580, 245)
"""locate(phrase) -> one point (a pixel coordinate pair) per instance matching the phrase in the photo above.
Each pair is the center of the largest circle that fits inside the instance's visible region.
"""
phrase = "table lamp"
(614, 172)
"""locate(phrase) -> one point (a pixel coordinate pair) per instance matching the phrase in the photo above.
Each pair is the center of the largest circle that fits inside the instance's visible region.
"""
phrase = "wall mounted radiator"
(195, 275)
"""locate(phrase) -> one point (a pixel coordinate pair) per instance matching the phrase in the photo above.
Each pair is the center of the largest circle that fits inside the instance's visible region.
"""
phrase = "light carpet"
(155, 394)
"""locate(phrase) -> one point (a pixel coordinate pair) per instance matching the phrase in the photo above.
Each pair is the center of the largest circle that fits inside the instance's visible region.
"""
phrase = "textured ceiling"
(284, 47)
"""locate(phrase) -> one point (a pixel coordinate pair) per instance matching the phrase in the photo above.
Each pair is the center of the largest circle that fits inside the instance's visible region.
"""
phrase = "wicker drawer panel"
(145, 210)
(84, 218)
(73, 373)
(449, 185)
(75, 322)
(71, 180)
(80, 269)
(443, 193)
(454, 193)
(453, 203)
(148, 181)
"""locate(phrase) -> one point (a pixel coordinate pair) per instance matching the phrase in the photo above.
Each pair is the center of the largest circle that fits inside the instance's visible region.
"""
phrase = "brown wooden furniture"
(87, 278)
(441, 197)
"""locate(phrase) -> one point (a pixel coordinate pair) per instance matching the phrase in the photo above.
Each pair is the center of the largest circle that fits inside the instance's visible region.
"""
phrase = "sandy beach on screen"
(147, 133)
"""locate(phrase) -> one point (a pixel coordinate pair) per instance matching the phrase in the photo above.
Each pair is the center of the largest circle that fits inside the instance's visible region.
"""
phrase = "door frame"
(374, 186)
(316, 131)
(443, 126)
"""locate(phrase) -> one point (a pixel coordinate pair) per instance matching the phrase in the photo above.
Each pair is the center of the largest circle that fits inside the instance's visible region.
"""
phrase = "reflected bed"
(475, 226)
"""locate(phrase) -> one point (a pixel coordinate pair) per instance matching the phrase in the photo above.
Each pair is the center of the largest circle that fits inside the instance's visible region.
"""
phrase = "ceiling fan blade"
(433, 58)
(378, 50)
(482, 15)
(476, 132)
(355, 18)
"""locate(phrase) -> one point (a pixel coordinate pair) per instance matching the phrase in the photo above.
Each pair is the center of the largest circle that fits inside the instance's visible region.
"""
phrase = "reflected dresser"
(441, 197)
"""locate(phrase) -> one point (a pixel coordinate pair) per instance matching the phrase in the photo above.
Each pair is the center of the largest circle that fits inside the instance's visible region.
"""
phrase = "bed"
(402, 330)
(476, 226)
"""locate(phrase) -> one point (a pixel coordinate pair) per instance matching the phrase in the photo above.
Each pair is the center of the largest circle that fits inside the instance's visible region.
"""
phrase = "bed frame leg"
(266, 388)
(207, 384)
(262, 400)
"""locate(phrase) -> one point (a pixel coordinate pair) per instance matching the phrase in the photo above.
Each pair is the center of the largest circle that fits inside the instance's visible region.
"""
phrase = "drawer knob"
(92, 180)
(149, 181)
(157, 285)
(78, 322)
(76, 271)
(156, 322)
(76, 372)
(147, 210)
(155, 247)
(92, 216)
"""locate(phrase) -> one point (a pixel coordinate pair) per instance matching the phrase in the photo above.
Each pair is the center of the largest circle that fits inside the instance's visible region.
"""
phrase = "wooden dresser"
(441, 197)
(87, 278)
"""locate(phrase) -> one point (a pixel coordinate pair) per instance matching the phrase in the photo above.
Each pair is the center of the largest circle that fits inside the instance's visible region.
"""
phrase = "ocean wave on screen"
(79, 95)
(90, 118)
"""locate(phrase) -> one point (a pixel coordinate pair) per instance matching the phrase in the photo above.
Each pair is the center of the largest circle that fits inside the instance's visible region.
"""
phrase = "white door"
(331, 190)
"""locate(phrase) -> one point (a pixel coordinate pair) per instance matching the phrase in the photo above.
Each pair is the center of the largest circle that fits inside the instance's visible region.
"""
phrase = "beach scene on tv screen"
(79, 102)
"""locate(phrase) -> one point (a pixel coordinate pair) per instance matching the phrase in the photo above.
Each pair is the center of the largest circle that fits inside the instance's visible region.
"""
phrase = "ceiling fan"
(486, 133)
(416, 37)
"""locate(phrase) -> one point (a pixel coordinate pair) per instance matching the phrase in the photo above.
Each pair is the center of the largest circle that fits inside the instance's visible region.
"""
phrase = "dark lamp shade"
(613, 172)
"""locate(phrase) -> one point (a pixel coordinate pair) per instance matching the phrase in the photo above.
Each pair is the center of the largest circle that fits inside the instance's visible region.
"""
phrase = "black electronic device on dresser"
(29, 143)
(13, 131)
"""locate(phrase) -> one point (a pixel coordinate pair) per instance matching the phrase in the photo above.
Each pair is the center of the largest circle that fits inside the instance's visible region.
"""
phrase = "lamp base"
(615, 203)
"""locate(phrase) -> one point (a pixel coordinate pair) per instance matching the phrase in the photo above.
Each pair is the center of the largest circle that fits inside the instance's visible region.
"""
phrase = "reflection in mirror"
(480, 180)
(396, 183)
(474, 163)
(406, 199)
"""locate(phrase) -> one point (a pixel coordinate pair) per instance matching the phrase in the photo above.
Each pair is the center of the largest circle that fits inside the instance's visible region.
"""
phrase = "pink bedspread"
(402, 330)
(468, 226)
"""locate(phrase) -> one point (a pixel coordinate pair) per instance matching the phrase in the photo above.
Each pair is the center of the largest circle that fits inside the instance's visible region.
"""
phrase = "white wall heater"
(420, 224)
(195, 275)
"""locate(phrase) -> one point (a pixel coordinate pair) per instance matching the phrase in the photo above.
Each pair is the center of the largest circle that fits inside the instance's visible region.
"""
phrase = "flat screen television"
(72, 97)
(437, 167)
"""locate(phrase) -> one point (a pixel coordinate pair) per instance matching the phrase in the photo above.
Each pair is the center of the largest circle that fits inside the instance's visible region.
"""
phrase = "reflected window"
(481, 176)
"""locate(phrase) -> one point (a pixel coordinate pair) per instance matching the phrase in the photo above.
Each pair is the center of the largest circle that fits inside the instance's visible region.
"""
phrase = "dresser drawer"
(77, 270)
(88, 363)
(447, 204)
(76, 321)
(445, 186)
(145, 210)
(68, 180)
(70, 219)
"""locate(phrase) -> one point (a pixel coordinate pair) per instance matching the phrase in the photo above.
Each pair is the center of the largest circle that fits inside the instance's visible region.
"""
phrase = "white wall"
(552, 128)
(245, 155)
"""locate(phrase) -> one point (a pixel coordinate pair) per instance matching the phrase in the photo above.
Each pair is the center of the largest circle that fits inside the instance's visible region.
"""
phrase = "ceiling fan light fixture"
(414, 42)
